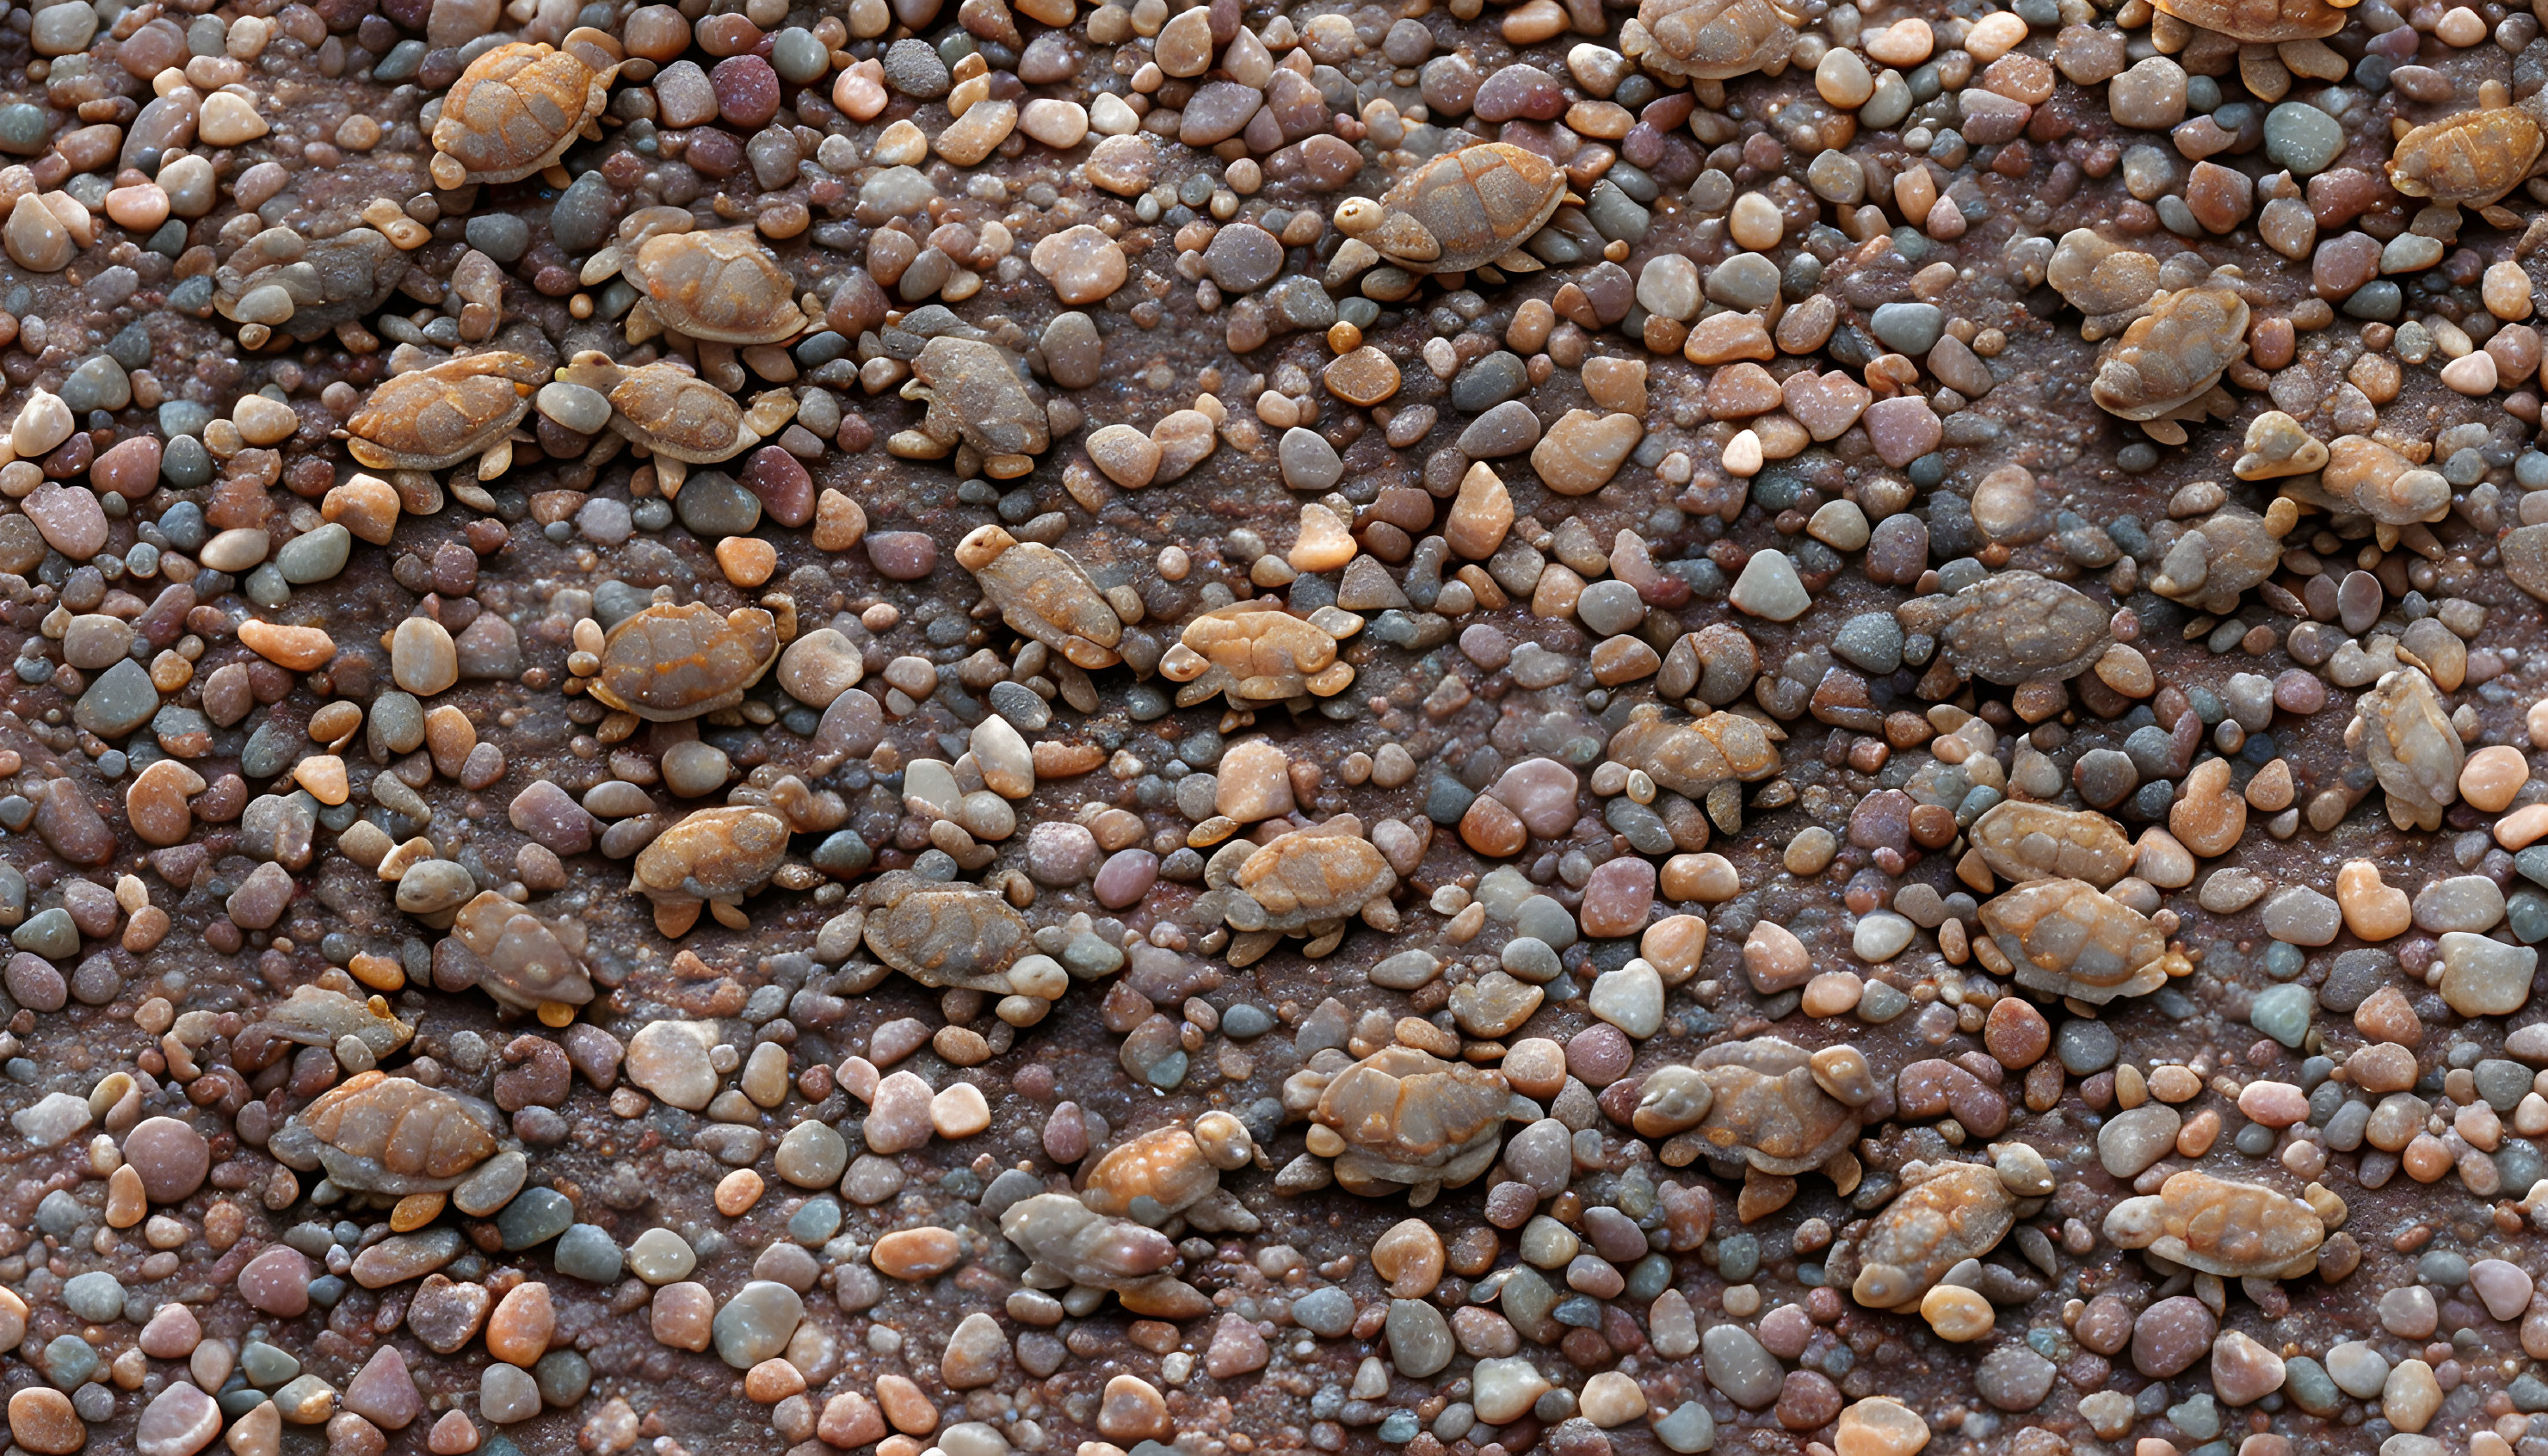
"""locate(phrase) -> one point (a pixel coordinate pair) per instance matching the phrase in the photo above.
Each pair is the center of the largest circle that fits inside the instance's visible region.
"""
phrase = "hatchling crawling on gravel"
(680, 418)
(530, 963)
(1169, 1178)
(2165, 370)
(1767, 1104)
(1461, 211)
(2013, 627)
(723, 285)
(1710, 39)
(1308, 883)
(1070, 1245)
(1257, 654)
(2236, 1231)
(281, 283)
(398, 1138)
(2475, 157)
(719, 858)
(433, 419)
(1947, 1212)
(2275, 39)
(1401, 1118)
(979, 411)
(1045, 595)
(669, 661)
(518, 106)
(952, 934)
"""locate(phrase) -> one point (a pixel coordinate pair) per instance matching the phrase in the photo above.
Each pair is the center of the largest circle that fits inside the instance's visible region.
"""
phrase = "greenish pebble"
(266, 586)
(99, 383)
(2527, 913)
(1690, 1428)
(562, 1376)
(798, 58)
(50, 933)
(96, 1297)
(1909, 327)
(24, 128)
(536, 1217)
(816, 1222)
(2302, 135)
(2502, 1083)
(1881, 1003)
(714, 506)
(2283, 1013)
(270, 750)
(121, 699)
(2312, 1389)
(587, 1253)
(2197, 1417)
(264, 1365)
(1738, 1258)
(315, 556)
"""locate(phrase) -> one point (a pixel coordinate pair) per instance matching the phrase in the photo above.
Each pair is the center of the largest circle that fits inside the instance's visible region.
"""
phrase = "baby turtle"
(718, 858)
(1946, 1214)
(2022, 840)
(1309, 881)
(2362, 476)
(1171, 1173)
(2014, 626)
(518, 106)
(2210, 565)
(279, 282)
(2236, 1231)
(1461, 211)
(433, 419)
(2107, 281)
(681, 418)
(1403, 1117)
(2274, 37)
(942, 934)
(1043, 594)
(317, 1017)
(2166, 367)
(2473, 158)
(723, 284)
(1258, 655)
(2069, 937)
(671, 662)
(1692, 756)
(2402, 731)
(1069, 1244)
(1710, 39)
(1780, 1112)
(378, 1134)
(976, 405)
(532, 962)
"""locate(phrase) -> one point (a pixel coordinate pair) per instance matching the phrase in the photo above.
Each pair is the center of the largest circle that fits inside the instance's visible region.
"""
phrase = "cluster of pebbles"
(1154, 731)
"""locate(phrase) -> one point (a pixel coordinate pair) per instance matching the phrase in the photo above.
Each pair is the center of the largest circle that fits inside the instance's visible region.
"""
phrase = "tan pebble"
(1956, 1314)
(682, 1316)
(960, 1111)
(126, 1203)
(300, 649)
(2174, 1085)
(2493, 776)
(518, 1330)
(1535, 1067)
(905, 1406)
(916, 1253)
(2522, 827)
(1833, 993)
(323, 775)
(2372, 910)
(772, 1381)
(1902, 45)
(1880, 1426)
(1409, 1257)
(747, 561)
(737, 1192)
